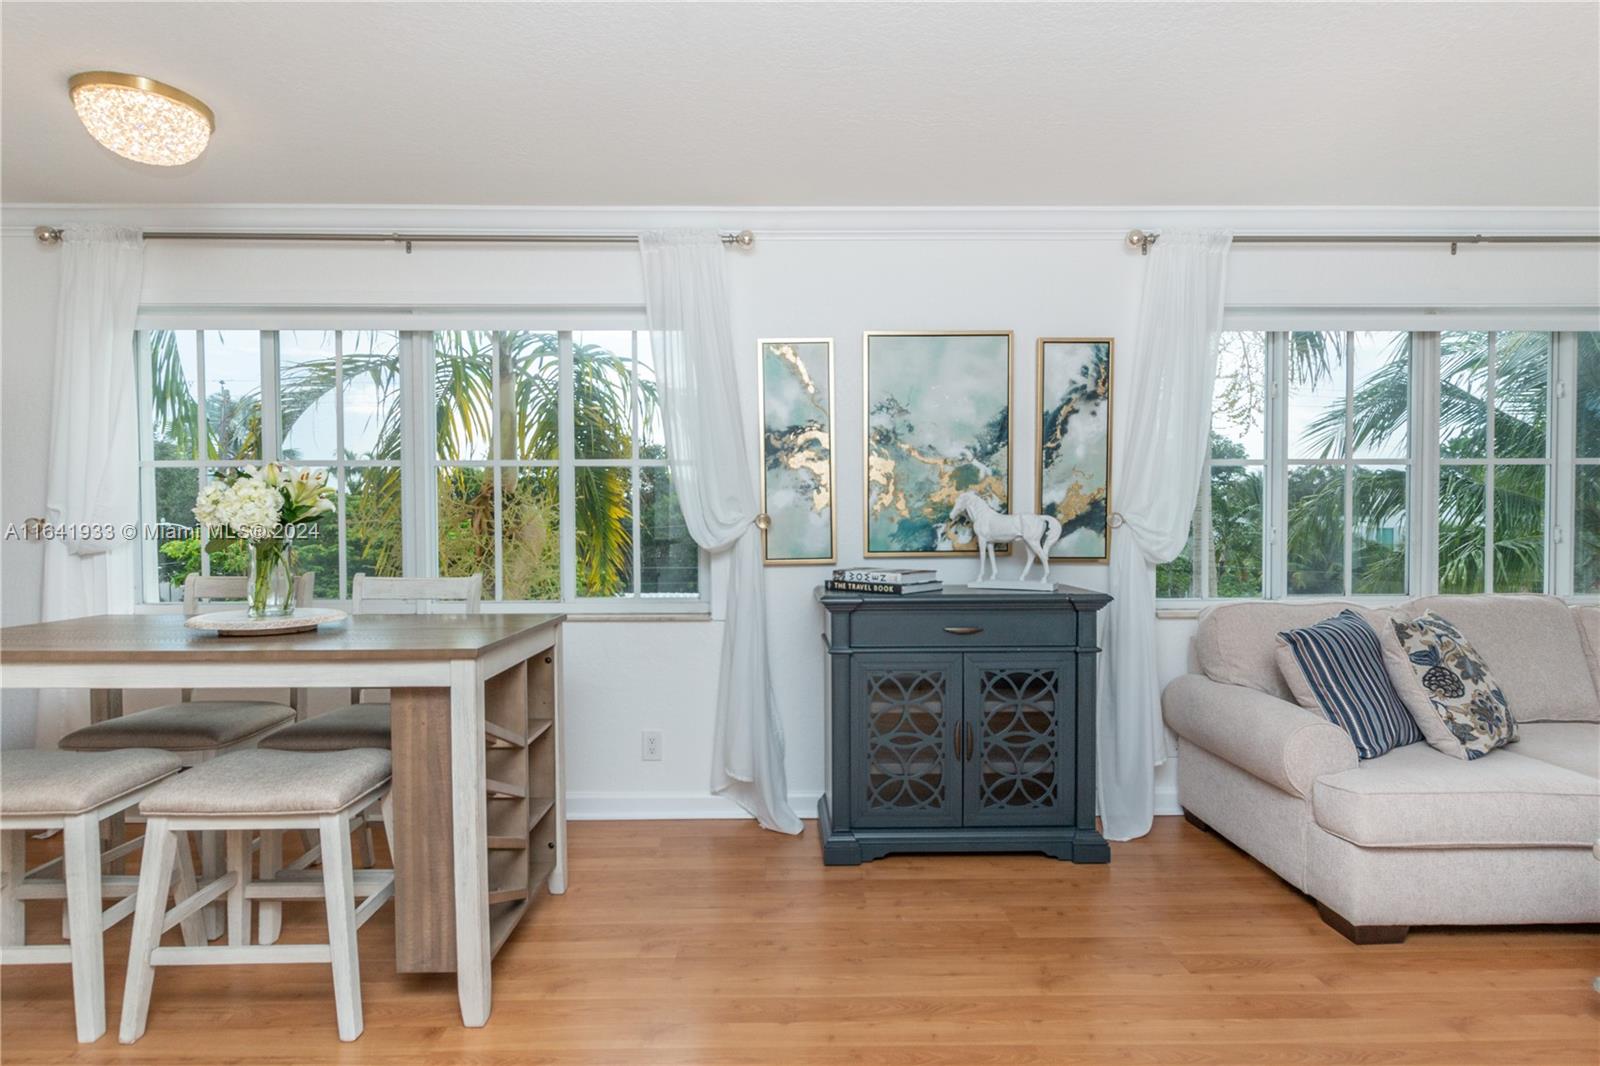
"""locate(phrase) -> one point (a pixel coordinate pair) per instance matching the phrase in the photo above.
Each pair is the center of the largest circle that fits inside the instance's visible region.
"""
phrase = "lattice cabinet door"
(1018, 739)
(906, 718)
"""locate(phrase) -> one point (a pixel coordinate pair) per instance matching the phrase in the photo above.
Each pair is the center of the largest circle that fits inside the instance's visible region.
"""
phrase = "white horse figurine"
(1037, 532)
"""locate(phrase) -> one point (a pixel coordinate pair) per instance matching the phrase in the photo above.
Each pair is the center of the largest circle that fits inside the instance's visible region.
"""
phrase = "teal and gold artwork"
(938, 423)
(797, 450)
(1074, 462)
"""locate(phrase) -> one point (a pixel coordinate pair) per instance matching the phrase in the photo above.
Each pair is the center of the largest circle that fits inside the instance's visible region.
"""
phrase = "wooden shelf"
(498, 736)
(538, 808)
(538, 728)
(507, 895)
(501, 925)
(506, 790)
(540, 873)
(508, 843)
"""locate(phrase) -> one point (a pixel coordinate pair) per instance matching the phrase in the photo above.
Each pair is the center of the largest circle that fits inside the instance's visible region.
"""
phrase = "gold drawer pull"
(963, 631)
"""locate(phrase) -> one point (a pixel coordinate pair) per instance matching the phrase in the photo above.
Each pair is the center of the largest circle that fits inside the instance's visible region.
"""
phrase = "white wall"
(1033, 275)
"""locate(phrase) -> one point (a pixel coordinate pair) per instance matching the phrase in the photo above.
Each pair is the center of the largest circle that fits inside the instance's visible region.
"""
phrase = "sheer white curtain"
(1164, 422)
(92, 476)
(686, 295)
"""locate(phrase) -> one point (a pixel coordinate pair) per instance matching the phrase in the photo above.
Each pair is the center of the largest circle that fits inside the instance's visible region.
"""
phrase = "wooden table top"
(113, 638)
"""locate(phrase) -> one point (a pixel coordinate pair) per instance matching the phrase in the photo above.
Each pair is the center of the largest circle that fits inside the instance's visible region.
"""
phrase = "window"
(542, 457)
(1586, 524)
(1355, 463)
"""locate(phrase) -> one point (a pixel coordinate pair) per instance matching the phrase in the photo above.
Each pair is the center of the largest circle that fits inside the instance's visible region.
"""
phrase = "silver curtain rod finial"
(47, 234)
(744, 238)
(1138, 238)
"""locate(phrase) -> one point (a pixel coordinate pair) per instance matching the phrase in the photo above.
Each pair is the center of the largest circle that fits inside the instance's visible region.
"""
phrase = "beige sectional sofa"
(1413, 837)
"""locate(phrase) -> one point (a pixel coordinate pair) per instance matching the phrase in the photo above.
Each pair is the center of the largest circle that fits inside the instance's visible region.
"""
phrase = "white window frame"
(418, 464)
(1422, 464)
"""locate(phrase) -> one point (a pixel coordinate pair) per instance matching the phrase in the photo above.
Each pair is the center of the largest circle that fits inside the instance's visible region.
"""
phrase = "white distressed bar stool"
(242, 794)
(75, 793)
(366, 725)
(198, 730)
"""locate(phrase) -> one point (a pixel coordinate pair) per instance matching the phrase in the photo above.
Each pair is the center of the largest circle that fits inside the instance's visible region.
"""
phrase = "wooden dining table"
(479, 780)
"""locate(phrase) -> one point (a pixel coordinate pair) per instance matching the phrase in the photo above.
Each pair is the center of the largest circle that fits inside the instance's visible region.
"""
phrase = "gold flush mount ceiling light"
(141, 119)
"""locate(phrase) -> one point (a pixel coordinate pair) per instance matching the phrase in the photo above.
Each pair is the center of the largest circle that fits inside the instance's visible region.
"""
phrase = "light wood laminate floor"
(707, 943)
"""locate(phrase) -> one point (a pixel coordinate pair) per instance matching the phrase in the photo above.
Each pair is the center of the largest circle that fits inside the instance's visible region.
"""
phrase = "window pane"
(1519, 528)
(371, 394)
(602, 372)
(1316, 395)
(1589, 395)
(233, 393)
(1378, 533)
(466, 524)
(603, 515)
(669, 559)
(1316, 530)
(1521, 394)
(177, 549)
(1463, 392)
(1239, 399)
(175, 415)
(1461, 532)
(1178, 579)
(1586, 578)
(1380, 410)
(652, 435)
(530, 540)
(530, 390)
(1235, 557)
(463, 383)
(372, 517)
(307, 404)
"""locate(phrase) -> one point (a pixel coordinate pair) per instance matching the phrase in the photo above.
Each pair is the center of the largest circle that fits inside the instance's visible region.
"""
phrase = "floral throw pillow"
(1447, 687)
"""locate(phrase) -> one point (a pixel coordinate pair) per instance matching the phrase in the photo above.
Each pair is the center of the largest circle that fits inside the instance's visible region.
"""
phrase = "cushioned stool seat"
(360, 725)
(70, 782)
(199, 726)
(272, 783)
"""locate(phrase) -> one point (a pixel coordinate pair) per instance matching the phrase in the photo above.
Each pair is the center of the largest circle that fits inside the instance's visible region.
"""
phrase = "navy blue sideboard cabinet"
(960, 720)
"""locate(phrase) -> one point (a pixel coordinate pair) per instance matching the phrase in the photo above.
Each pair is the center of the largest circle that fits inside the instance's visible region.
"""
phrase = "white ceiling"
(823, 104)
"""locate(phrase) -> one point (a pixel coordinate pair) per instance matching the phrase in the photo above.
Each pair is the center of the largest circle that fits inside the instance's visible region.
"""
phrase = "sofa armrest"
(1277, 741)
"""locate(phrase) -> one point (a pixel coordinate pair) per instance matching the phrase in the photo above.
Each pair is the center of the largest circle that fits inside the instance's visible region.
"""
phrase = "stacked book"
(885, 582)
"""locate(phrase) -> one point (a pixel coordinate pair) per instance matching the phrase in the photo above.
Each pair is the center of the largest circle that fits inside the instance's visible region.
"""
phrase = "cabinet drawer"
(945, 627)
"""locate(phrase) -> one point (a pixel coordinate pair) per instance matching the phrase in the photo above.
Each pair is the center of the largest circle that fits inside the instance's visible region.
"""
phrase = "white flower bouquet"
(264, 508)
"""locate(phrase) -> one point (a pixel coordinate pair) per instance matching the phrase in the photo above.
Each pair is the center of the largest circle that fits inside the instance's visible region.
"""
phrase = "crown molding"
(810, 223)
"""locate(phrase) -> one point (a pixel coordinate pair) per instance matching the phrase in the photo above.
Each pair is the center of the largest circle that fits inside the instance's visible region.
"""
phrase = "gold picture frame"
(866, 435)
(767, 557)
(1039, 438)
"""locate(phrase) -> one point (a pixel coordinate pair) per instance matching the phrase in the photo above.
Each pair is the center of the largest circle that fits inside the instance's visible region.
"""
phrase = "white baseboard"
(660, 806)
(657, 806)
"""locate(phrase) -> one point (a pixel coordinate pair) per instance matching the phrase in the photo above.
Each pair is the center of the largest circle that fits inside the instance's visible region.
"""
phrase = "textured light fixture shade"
(141, 119)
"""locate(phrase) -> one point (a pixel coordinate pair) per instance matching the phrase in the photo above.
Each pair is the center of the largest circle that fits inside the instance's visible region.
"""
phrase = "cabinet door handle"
(969, 739)
(963, 631)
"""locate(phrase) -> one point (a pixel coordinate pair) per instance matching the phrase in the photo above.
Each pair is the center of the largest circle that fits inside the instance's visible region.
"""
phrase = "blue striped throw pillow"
(1340, 663)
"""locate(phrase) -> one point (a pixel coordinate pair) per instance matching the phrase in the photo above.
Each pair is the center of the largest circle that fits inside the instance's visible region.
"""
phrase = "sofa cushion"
(1534, 646)
(1236, 643)
(1415, 797)
(1448, 688)
(1337, 666)
(1572, 745)
(1588, 619)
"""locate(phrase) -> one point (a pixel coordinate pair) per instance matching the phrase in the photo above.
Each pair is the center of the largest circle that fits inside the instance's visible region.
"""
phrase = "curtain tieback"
(763, 521)
(1116, 520)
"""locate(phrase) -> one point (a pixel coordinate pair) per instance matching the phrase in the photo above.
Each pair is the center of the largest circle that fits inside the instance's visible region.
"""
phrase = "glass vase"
(271, 578)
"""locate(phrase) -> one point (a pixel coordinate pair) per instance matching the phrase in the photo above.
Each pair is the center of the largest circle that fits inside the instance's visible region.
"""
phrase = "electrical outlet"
(650, 745)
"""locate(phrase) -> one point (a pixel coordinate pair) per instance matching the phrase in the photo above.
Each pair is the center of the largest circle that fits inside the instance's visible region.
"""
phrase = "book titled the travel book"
(885, 582)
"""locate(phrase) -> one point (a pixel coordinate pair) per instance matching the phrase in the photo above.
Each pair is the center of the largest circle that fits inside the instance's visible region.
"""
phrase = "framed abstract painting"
(938, 423)
(1074, 461)
(797, 450)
